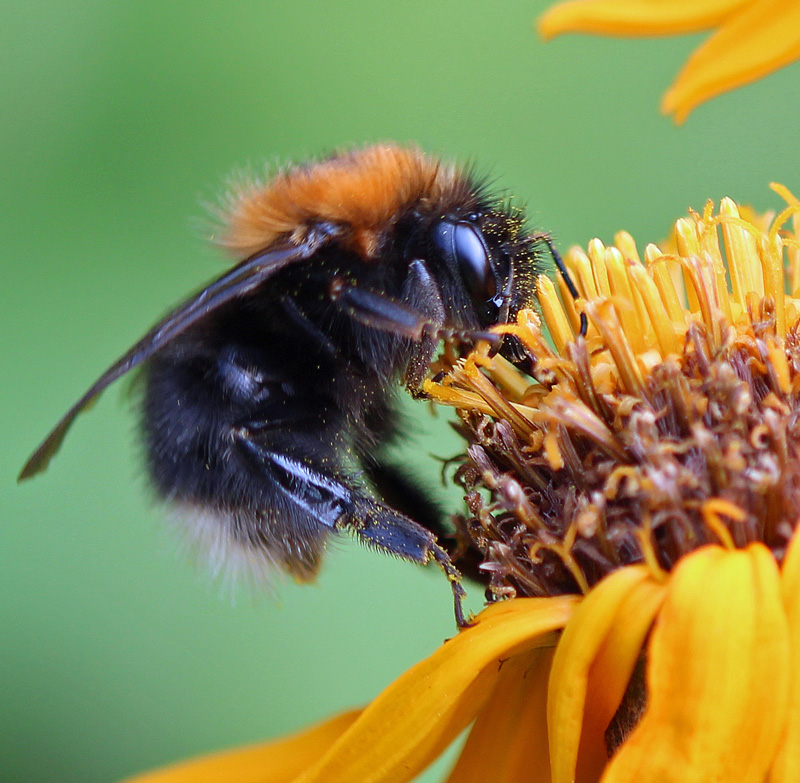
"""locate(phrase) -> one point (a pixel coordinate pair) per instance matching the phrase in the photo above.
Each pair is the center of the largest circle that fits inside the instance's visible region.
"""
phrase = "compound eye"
(472, 256)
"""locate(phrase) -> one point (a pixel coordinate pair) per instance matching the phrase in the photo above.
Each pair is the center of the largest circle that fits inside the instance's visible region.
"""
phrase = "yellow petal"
(717, 675)
(635, 17)
(786, 767)
(278, 761)
(611, 672)
(417, 717)
(762, 37)
(508, 743)
(577, 650)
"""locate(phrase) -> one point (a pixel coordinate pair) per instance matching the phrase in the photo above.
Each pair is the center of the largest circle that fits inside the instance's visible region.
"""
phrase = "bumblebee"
(270, 396)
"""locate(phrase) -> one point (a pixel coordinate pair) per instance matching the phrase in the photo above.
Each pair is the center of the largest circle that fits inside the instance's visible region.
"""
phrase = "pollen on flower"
(672, 424)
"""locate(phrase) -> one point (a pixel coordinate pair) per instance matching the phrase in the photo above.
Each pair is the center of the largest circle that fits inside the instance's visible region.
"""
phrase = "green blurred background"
(119, 120)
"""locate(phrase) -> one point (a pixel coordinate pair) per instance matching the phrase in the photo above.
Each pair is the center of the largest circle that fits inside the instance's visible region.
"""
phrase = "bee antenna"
(565, 276)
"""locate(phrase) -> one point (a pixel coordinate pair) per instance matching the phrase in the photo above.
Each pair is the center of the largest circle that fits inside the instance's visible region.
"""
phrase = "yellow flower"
(643, 495)
(752, 38)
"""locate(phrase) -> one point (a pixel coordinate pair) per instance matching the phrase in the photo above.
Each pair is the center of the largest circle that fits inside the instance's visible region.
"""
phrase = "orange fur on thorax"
(360, 191)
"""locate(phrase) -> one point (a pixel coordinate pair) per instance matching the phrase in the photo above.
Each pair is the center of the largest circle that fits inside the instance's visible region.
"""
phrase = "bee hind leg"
(380, 526)
(318, 498)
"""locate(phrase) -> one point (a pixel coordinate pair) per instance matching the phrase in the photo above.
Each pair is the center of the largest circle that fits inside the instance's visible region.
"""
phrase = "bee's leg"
(381, 312)
(389, 315)
(326, 500)
(390, 531)
(402, 492)
(422, 294)
(321, 497)
(308, 327)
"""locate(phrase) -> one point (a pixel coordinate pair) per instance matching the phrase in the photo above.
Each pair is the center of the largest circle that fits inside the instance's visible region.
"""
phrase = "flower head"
(633, 505)
(670, 426)
(752, 38)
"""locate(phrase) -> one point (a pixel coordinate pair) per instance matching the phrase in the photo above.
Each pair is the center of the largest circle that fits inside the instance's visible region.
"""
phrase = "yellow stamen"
(740, 250)
(507, 377)
(646, 326)
(599, 275)
(604, 316)
(448, 394)
(645, 536)
(713, 510)
(658, 316)
(625, 300)
(699, 275)
(709, 243)
(791, 239)
(778, 363)
(553, 313)
(563, 550)
(656, 262)
(552, 452)
(685, 239)
(620, 474)
(584, 265)
(573, 414)
(627, 246)
(471, 377)
(771, 255)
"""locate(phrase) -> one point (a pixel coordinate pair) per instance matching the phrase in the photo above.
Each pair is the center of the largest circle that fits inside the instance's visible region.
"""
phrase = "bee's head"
(490, 265)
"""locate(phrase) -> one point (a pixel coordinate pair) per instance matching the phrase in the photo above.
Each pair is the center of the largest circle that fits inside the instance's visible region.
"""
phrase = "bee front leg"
(379, 311)
(390, 315)
(420, 320)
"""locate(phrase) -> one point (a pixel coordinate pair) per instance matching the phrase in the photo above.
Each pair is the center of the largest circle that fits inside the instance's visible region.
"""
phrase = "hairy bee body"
(270, 396)
(250, 366)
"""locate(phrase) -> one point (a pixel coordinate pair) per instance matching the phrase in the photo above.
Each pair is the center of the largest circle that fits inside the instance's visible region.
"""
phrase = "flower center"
(672, 425)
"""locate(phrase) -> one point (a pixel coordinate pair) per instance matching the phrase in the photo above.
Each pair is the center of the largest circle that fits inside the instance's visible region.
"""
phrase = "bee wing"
(239, 281)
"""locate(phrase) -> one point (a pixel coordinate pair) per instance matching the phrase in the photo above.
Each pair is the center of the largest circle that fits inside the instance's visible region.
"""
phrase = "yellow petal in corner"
(635, 17)
(759, 39)
(717, 675)
(279, 761)
(420, 714)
